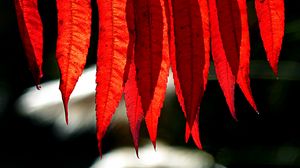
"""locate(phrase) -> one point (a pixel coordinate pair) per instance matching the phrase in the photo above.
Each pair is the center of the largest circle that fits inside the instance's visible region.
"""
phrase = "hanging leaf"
(31, 30)
(112, 50)
(222, 67)
(169, 8)
(194, 131)
(231, 48)
(134, 109)
(74, 30)
(151, 59)
(270, 15)
(243, 72)
(229, 17)
(191, 63)
(136, 38)
(131, 30)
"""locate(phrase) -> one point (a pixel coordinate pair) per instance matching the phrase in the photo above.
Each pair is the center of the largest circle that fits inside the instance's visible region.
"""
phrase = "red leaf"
(131, 29)
(195, 132)
(230, 28)
(112, 48)
(31, 30)
(195, 127)
(74, 30)
(270, 15)
(243, 73)
(134, 108)
(191, 63)
(151, 59)
(229, 16)
(222, 66)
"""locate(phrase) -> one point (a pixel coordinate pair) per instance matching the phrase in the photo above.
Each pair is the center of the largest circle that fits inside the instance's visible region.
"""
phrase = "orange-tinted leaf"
(74, 30)
(270, 15)
(112, 51)
(151, 59)
(31, 31)
(191, 63)
(243, 72)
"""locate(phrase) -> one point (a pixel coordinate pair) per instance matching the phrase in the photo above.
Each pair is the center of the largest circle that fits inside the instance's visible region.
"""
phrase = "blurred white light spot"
(165, 156)
(45, 105)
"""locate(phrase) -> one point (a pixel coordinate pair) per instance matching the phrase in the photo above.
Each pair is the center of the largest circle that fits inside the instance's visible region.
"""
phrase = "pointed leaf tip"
(275, 70)
(231, 48)
(190, 57)
(152, 61)
(111, 60)
(225, 75)
(74, 18)
(194, 132)
(100, 149)
(134, 109)
(137, 152)
(31, 31)
(65, 99)
(66, 112)
(270, 14)
(154, 144)
(133, 103)
(198, 37)
(243, 79)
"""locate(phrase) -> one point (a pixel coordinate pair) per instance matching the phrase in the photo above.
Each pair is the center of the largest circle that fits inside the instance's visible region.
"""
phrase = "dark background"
(271, 139)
